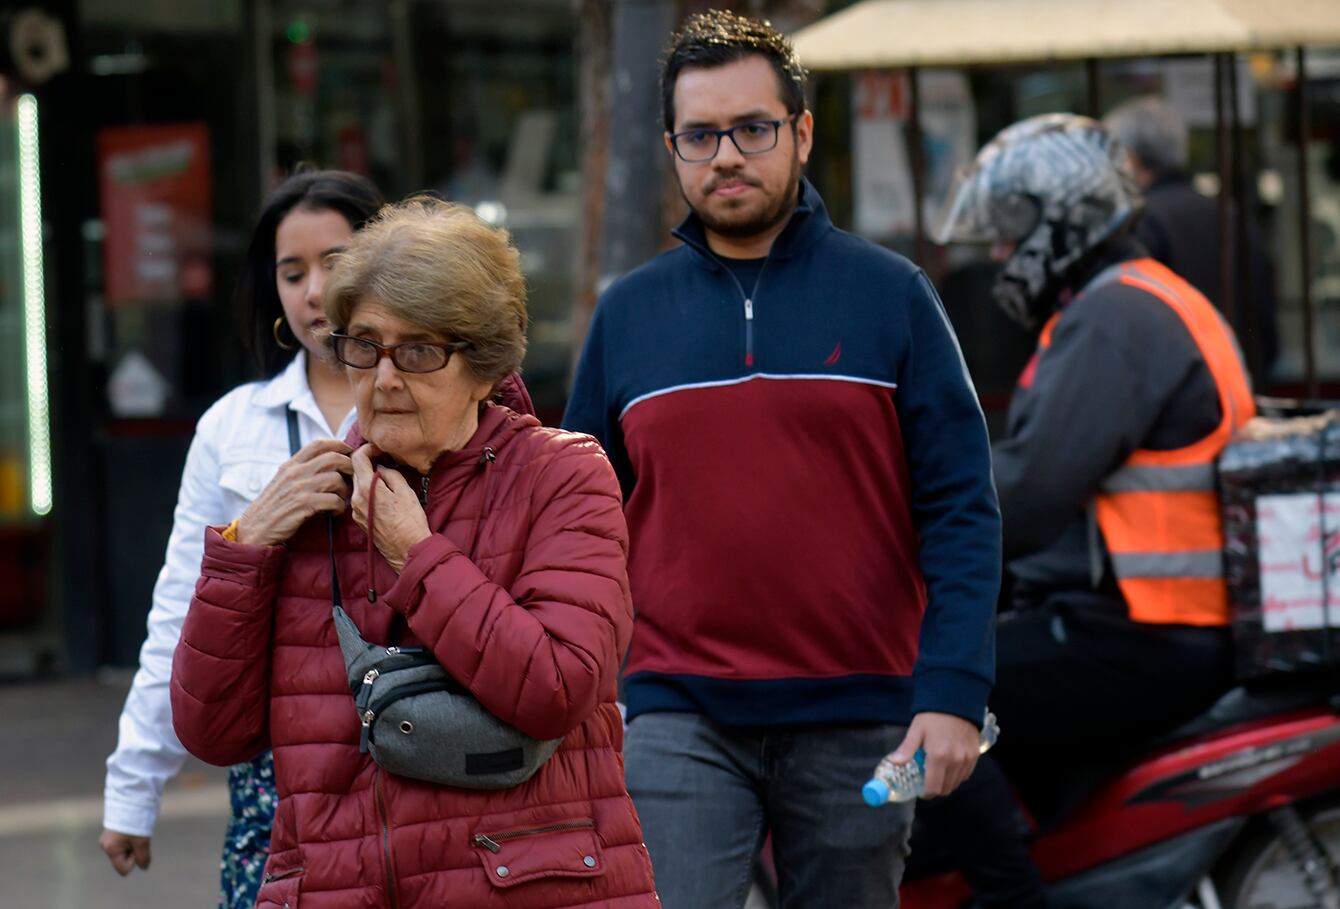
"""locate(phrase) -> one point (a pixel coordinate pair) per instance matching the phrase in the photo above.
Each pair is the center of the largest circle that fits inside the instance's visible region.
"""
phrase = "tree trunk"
(638, 163)
(594, 38)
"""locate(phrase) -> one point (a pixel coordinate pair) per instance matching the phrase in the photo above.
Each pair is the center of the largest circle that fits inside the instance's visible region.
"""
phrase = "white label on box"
(1292, 557)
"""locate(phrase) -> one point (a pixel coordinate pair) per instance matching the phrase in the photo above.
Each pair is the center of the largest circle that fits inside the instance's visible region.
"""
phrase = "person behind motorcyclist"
(1117, 630)
(1180, 226)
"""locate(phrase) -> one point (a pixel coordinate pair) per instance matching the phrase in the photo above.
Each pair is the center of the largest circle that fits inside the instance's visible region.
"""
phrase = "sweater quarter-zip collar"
(809, 222)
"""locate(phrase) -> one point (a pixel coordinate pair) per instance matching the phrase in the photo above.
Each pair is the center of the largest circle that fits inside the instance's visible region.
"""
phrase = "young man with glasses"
(815, 538)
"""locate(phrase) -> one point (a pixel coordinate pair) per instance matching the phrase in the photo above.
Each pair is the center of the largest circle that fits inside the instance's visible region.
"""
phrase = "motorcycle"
(1238, 809)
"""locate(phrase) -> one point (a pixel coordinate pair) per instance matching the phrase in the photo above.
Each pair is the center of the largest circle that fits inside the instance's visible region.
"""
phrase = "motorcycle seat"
(1245, 703)
(1258, 699)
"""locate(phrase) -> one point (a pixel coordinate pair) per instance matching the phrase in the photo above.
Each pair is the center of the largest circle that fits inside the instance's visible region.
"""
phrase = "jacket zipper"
(748, 310)
(748, 332)
(492, 845)
(386, 842)
(423, 491)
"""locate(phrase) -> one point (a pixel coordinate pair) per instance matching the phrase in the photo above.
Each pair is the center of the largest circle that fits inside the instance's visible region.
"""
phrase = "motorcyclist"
(1106, 482)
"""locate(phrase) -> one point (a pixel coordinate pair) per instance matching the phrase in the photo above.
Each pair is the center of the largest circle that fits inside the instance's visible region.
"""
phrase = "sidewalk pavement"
(51, 776)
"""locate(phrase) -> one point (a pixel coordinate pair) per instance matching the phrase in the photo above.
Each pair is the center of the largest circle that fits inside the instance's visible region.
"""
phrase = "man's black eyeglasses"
(408, 356)
(695, 146)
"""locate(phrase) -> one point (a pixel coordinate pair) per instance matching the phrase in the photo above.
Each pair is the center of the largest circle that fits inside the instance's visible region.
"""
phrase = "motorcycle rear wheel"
(1261, 873)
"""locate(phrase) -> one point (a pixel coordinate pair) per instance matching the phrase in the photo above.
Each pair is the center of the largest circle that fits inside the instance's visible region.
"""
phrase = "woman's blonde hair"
(442, 268)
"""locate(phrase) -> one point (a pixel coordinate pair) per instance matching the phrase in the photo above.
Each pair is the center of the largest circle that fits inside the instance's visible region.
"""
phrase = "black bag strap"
(294, 440)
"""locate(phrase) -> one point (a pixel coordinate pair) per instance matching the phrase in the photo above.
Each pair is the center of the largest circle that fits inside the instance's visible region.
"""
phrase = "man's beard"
(763, 221)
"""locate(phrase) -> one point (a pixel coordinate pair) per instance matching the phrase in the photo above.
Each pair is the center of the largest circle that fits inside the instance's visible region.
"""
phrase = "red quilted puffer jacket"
(522, 593)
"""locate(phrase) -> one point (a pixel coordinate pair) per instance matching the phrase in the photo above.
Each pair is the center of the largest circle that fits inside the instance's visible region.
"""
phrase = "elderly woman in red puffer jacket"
(496, 542)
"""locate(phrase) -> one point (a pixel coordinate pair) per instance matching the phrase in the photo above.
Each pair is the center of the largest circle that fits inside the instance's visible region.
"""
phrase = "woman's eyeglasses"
(408, 356)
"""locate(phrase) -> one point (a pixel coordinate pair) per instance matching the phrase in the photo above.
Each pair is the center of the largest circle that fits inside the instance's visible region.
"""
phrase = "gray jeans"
(708, 796)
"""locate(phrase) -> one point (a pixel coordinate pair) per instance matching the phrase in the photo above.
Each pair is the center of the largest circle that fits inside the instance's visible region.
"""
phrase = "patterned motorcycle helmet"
(1055, 186)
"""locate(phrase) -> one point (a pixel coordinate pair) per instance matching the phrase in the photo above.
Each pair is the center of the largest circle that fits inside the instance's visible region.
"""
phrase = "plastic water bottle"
(905, 782)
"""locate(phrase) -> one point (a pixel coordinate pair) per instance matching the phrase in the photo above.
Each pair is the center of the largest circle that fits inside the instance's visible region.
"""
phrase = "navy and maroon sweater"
(814, 533)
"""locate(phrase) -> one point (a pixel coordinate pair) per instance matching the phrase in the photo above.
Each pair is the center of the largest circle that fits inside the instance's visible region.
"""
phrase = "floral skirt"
(246, 845)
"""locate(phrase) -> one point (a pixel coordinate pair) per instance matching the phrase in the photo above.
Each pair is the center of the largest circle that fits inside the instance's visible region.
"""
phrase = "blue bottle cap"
(875, 793)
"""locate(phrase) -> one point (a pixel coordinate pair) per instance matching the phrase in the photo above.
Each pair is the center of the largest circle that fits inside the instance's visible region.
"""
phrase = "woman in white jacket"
(239, 443)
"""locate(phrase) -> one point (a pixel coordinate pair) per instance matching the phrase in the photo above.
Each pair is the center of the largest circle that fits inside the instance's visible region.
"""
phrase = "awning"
(878, 34)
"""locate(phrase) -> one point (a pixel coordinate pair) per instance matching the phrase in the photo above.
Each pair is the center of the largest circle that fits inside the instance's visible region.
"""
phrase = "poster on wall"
(881, 160)
(154, 183)
(1188, 85)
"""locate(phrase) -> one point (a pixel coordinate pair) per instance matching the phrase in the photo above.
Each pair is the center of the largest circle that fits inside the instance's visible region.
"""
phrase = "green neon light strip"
(34, 308)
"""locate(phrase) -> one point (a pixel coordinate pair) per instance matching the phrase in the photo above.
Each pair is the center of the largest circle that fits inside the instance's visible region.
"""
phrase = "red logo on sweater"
(835, 355)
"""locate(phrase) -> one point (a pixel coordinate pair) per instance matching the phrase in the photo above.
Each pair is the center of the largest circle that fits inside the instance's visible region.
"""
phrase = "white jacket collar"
(287, 387)
(290, 389)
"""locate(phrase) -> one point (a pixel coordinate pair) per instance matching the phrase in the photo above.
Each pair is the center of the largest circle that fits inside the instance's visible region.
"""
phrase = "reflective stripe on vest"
(1185, 478)
(1206, 563)
(1159, 511)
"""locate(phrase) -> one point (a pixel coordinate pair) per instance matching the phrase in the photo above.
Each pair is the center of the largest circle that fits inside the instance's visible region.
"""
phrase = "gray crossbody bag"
(419, 722)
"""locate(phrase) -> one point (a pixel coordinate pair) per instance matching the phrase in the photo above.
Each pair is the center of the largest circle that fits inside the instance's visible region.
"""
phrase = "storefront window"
(193, 111)
(453, 99)
(874, 178)
(1280, 151)
(176, 182)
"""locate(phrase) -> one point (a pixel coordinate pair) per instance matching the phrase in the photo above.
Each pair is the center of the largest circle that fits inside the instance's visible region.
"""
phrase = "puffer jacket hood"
(521, 592)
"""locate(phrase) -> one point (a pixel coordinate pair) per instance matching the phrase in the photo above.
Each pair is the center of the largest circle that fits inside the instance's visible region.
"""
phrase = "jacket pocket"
(279, 888)
(246, 479)
(514, 855)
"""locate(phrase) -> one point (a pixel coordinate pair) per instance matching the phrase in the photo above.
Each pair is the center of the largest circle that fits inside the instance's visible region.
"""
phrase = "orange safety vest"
(1159, 511)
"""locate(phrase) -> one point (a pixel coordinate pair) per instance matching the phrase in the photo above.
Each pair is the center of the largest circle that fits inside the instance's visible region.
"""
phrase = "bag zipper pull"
(367, 718)
(364, 694)
(483, 840)
(365, 715)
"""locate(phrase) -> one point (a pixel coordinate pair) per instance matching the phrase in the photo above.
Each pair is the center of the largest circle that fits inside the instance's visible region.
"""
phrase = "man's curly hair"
(718, 37)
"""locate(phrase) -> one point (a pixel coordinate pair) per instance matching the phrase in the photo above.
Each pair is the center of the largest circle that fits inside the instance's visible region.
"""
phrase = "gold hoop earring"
(280, 341)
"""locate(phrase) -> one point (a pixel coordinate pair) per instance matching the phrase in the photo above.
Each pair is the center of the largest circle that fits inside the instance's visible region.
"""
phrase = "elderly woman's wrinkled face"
(413, 417)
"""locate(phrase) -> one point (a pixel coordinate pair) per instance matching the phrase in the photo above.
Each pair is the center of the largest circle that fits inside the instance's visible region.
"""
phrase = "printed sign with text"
(1297, 568)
